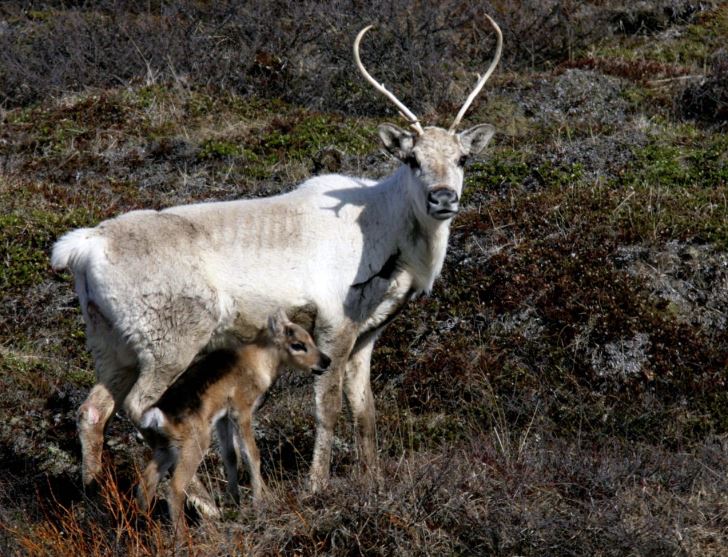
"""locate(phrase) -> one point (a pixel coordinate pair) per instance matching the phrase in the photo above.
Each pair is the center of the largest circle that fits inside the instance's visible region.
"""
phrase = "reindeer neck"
(421, 241)
(428, 247)
(263, 355)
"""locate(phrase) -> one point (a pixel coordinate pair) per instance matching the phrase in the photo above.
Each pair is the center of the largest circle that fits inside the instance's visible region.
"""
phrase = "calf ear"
(476, 138)
(277, 324)
(396, 140)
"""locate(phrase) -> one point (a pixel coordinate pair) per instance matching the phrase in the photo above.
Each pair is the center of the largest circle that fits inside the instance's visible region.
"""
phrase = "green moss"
(23, 372)
(504, 168)
(56, 131)
(508, 168)
(21, 365)
(146, 97)
(660, 165)
(677, 186)
(217, 149)
(80, 378)
(304, 134)
(693, 46)
(705, 37)
(506, 115)
(427, 431)
(25, 240)
(201, 103)
(41, 15)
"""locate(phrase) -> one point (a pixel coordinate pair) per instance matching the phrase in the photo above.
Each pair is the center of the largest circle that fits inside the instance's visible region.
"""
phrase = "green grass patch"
(674, 190)
(509, 168)
(25, 241)
(213, 149)
(692, 46)
(505, 167)
(304, 134)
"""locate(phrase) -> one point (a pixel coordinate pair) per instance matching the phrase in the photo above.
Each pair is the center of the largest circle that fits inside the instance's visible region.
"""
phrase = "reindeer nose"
(442, 196)
(442, 203)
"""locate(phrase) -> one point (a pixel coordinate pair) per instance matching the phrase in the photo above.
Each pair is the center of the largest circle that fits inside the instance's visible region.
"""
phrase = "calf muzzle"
(322, 365)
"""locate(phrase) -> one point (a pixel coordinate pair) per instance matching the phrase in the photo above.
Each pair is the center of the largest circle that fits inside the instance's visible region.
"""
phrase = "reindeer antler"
(403, 110)
(482, 80)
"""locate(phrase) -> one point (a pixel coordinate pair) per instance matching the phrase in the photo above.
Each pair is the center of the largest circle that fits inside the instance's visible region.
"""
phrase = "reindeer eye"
(412, 162)
(462, 160)
(299, 347)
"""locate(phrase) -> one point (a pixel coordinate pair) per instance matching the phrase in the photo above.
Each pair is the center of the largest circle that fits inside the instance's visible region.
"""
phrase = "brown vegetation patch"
(641, 71)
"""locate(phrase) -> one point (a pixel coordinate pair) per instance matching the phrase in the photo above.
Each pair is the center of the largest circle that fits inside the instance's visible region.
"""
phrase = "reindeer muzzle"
(442, 203)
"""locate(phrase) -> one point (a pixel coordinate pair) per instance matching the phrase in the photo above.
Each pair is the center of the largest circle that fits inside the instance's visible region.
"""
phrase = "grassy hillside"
(561, 392)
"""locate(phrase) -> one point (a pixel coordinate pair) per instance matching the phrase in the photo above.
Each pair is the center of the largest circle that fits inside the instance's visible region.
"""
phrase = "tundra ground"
(561, 392)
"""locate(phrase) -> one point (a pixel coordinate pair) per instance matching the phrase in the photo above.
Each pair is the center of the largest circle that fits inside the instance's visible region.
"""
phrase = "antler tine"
(403, 110)
(481, 82)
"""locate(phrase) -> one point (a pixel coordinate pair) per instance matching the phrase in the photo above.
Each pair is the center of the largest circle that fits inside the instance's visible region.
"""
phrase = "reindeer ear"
(277, 324)
(396, 140)
(476, 138)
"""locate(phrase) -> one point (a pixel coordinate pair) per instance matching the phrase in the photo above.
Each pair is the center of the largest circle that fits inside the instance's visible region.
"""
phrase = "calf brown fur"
(223, 386)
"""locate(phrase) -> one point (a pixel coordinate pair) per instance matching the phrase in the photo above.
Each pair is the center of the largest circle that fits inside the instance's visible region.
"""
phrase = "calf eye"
(462, 160)
(299, 347)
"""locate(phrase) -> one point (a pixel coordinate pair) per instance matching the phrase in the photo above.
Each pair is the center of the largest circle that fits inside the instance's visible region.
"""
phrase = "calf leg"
(191, 453)
(200, 498)
(159, 465)
(252, 454)
(226, 436)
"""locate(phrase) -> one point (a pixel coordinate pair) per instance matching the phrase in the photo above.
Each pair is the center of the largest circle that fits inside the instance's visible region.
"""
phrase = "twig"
(678, 78)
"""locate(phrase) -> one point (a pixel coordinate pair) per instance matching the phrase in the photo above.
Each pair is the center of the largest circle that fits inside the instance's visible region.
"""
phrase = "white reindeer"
(340, 255)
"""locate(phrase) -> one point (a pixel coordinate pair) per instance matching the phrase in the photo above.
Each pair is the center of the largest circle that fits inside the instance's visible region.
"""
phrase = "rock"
(577, 97)
(692, 279)
(622, 359)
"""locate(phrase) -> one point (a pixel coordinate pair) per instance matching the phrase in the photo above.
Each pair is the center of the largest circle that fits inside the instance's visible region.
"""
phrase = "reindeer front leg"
(92, 417)
(100, 404)
(328, 389)
(358, 390)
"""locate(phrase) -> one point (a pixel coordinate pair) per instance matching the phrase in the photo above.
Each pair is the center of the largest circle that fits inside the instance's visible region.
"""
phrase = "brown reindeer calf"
(224, 385)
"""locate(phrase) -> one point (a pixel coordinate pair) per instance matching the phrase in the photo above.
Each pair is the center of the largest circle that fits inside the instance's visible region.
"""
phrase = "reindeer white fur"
(341, 255)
